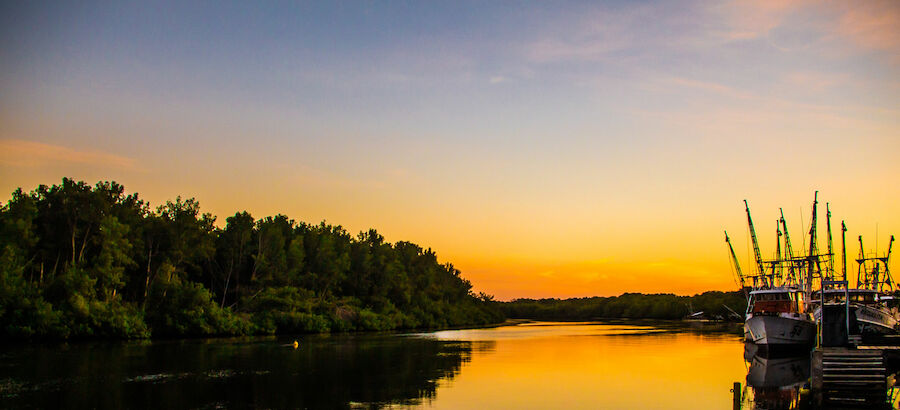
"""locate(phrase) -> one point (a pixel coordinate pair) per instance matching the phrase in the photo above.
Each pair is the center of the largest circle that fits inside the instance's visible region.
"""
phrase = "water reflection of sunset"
(594, 366)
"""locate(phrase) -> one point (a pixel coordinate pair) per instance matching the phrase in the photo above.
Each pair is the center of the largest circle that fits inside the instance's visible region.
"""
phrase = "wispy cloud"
(588, 36)
(873, 25)
(863, 26)
(707, 86)
(749, 19)
(814, 81)
(30, 154)
(550, 50)
(497, 79)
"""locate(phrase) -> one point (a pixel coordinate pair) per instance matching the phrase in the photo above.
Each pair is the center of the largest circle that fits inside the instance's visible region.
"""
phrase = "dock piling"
(736, 396)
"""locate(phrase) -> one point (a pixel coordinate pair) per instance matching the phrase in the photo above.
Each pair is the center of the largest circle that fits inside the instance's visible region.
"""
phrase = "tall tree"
(113, 258)
(233, 250)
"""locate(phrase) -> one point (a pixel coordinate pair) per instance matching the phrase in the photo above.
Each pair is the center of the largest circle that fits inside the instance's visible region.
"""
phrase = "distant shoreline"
(715, 305)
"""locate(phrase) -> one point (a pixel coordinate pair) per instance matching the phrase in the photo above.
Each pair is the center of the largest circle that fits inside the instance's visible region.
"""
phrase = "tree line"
(713, 304)
(82, 261)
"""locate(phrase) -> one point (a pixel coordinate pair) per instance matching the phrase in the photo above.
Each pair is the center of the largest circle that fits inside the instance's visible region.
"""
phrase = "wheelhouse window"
(863, 297)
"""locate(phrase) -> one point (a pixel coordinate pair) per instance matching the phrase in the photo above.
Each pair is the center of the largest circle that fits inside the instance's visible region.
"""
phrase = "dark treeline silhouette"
(91, 261)
(629, 305)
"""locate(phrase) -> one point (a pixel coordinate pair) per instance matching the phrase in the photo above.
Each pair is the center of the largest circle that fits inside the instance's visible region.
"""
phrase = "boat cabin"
(863, 296)
(889, 301)
(857, 296)
(831, 296)
(779, 300)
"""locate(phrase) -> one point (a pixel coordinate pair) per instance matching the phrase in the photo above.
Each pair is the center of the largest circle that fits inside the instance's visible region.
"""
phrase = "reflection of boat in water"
(777, 317)
(775, 369)
(775, 379)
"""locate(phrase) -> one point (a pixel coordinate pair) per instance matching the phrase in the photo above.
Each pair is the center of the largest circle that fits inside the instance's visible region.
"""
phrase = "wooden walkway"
(847, 377)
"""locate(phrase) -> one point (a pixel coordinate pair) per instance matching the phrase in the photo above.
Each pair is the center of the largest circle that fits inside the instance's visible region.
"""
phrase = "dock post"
(816, 377)
(736, 390)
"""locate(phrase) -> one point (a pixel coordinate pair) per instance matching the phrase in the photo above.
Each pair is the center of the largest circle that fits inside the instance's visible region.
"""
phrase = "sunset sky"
(546, 149)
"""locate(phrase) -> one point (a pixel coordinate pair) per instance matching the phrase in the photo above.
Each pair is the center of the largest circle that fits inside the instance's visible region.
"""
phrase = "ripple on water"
(165, 377)
(154, 378)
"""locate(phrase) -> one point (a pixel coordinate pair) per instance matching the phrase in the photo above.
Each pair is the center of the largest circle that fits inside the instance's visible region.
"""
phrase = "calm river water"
(597, 365)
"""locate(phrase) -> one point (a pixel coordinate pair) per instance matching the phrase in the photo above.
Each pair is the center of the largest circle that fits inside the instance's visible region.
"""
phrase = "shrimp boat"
(873, 312)
(787, 294)
(872, 309)
(777, 316)
(777, 312)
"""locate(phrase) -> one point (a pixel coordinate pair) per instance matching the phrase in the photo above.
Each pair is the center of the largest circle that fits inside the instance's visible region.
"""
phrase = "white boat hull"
(783, 329)
(870, 319)
(875, 320)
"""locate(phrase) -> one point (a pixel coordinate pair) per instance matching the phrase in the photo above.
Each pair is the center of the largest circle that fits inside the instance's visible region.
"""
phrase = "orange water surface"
(593, 366)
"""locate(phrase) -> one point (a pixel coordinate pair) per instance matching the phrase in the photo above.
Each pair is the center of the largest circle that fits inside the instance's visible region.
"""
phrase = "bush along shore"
(727, 306)
(82, 261)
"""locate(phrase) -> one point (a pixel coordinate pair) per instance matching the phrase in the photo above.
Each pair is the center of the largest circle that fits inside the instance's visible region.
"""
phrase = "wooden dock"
(848, 377)
(850, 370)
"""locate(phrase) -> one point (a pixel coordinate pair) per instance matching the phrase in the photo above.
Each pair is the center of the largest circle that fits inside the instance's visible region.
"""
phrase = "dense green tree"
(23, 311)
(270, 260)
(233, 252)
(188, 238)
(92, 261)
(114, 257)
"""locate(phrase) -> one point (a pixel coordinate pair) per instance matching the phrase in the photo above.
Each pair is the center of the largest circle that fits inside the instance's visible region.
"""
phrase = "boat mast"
(844, 251)
(861, 270)
(737, 266)
(777, 263)
(760, 269)
(872, 278)
(887, 273)
(789, 250)
(813, 257)
(830, 247)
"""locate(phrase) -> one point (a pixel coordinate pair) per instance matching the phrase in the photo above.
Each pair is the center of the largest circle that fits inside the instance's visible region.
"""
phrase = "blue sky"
(537, 146)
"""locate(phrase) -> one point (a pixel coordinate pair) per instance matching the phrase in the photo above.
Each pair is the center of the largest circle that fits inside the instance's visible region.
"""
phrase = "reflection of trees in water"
(329, 372)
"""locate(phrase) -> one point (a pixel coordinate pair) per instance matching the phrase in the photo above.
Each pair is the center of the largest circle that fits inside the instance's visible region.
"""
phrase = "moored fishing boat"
(777, 314)
(872, 308)
(872, 312)
(777, 317)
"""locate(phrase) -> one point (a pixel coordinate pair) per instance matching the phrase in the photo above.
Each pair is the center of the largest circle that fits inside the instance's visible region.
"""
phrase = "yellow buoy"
(296, 345)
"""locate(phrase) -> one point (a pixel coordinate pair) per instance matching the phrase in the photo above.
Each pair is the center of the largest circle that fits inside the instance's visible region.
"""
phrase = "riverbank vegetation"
(714, 305)
(82, 261)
